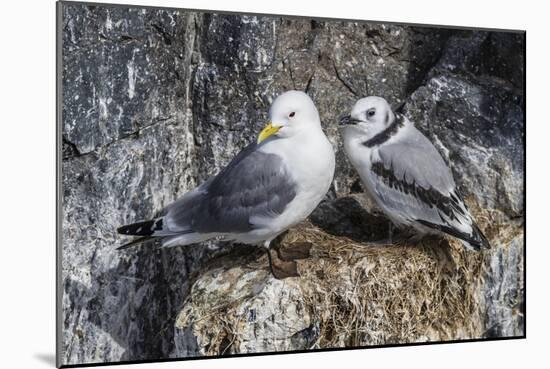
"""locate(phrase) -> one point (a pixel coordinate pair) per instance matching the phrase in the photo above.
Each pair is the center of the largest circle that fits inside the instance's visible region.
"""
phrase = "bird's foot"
(294, 251)
(285, 269)
(282, 269)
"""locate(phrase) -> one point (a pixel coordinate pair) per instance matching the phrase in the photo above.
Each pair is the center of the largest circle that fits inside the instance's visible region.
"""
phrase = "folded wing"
(414, 183)
(253, 184)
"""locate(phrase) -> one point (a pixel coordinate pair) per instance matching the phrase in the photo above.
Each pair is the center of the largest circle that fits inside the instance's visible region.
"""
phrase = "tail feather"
(181, 239)
(184, 238)
(136, 242)
(152, 231)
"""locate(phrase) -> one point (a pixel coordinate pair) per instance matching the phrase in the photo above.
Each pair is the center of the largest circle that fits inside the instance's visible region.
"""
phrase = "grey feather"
(415, 159)
(402, 199)
(252, 184)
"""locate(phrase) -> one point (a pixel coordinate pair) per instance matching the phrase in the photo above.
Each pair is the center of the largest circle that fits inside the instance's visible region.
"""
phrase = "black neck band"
(385, 135)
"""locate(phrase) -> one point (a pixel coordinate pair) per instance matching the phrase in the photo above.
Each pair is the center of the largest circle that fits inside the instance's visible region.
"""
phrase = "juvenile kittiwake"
(405, 174)
(271, 185)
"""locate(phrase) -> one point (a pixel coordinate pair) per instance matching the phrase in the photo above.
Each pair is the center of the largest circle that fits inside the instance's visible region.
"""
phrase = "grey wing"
(416, 159)
(412, 180)
(252, 184)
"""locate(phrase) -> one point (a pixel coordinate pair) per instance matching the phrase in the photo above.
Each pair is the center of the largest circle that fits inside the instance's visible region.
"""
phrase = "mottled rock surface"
(156, 101)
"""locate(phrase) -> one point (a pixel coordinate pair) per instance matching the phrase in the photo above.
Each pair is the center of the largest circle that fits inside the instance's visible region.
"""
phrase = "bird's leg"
(284, 270)
(266, 248)
(390, 232)
(270, 261)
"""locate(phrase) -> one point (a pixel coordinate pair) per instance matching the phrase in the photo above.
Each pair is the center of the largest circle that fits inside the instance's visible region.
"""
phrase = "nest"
(349, 293)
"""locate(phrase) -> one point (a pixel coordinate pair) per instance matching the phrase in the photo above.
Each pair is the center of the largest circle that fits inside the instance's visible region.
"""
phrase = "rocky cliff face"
(156, 101)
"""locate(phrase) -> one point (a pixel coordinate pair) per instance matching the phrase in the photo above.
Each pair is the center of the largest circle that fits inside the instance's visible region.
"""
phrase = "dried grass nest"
(359, 294)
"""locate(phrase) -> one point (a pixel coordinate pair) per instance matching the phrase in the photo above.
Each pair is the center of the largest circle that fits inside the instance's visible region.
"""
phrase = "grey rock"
(476, 119)
(503, 298)
(156, 101)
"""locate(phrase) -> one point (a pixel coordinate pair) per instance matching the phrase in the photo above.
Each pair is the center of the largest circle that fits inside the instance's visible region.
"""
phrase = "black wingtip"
(145, 228)
(477, 240)
(483, 243)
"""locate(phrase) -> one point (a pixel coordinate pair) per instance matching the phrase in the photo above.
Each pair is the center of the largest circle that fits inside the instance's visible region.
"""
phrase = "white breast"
(310, 161)
(361, 158)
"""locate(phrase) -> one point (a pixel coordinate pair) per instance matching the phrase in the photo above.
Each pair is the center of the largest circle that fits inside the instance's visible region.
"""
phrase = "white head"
(291, 114)
(369, 116)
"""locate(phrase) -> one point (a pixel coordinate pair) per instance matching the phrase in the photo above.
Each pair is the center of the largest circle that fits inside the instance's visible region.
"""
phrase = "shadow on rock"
(424, 51)
(346, 217)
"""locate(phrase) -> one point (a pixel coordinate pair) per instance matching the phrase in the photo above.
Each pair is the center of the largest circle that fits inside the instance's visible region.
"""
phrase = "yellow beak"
(268, 131)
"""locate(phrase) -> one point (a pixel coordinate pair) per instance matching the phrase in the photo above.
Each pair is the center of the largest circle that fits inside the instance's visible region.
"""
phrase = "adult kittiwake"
(271, 185)
(405, 174)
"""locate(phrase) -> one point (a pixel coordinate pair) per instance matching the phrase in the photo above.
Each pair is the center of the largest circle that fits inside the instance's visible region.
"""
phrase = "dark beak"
(348, 120)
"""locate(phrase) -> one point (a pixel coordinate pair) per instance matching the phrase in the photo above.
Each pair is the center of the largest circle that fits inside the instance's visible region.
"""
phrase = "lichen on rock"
(155, 101)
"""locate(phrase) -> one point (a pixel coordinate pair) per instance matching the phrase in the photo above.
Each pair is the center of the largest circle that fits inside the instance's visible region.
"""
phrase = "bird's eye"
(291, 114)
(371, 113)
